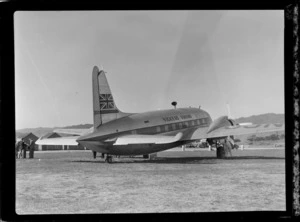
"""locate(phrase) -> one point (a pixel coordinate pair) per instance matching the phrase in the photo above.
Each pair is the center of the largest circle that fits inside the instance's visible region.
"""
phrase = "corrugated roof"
(23, 135)
(50, 135)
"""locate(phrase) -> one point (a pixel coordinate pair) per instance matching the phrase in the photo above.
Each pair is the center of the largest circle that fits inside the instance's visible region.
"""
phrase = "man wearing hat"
(31, 148)
(18, 149)
(23, 148)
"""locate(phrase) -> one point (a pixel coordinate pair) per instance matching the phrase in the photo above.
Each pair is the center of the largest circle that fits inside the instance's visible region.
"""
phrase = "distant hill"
(262, 119)
(41, 131)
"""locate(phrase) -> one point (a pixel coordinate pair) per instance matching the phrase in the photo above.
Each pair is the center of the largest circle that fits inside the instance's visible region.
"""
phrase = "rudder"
(105, 109)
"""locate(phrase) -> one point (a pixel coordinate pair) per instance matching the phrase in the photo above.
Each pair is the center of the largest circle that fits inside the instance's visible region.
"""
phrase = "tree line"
(253, 138)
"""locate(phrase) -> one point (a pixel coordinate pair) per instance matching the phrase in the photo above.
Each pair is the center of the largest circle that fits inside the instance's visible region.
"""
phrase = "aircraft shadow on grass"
(178, 160)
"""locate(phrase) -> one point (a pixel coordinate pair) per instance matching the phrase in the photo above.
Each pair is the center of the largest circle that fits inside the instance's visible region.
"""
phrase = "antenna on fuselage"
(174, 103)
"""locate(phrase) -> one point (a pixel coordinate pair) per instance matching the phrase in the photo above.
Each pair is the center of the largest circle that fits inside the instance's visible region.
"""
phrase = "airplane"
(118, 133)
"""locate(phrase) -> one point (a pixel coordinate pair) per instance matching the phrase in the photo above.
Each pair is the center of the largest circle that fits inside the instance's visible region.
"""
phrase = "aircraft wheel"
(108, 159)
(223, 151)
(220, 152)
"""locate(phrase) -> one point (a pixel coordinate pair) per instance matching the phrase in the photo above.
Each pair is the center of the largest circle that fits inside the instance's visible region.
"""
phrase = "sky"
(206, 58)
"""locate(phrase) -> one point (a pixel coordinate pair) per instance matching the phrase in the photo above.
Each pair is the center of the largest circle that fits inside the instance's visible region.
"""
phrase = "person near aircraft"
(18, 149)
(24, 148)
(228, 146)
(94, 154)
(31, 149)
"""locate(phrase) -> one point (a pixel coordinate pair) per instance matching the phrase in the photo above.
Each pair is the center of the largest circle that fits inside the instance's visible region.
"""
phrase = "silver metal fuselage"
(161, 122)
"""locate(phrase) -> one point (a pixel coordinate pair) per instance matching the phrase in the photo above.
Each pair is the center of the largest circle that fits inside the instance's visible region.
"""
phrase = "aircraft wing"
(78, 132)
(70, 140)
(237, 130)
(147, 139)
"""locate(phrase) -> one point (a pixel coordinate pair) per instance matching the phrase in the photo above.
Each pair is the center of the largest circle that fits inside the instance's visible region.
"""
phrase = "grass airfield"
(72, 182)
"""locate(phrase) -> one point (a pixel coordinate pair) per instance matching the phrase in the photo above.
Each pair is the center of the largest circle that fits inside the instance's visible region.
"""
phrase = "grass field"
(73, 182)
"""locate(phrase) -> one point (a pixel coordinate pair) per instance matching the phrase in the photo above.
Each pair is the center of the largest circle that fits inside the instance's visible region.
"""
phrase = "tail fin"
(105, 109)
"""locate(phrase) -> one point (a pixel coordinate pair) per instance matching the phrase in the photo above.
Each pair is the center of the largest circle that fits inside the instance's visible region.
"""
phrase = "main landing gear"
(108, 158)
(224, 149)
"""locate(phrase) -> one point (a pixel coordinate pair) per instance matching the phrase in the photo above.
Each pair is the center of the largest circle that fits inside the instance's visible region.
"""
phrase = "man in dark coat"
(229, 145)
(94, 154)
(31, 149)
(18, 149)
(24, 148)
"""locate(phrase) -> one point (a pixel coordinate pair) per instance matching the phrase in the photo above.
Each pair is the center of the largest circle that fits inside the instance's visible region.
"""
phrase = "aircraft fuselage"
(164, 122)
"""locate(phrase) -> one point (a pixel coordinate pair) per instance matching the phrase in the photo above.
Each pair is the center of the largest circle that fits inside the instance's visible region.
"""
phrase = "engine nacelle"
(220, 122)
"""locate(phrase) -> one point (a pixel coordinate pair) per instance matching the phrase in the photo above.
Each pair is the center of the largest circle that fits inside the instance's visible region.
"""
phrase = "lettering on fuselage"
(175, 118)
(170, 118)
(187, 116)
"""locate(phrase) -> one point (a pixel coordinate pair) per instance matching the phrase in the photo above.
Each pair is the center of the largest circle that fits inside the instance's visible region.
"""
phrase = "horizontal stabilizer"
(70, 140)
(147, 139)
(78, 132)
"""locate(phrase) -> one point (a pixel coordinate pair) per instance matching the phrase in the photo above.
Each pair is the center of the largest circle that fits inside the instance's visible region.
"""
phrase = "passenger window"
(152, 130)
(158, 129)
(180, 125)
(198, 122)
(173, 126)
(162, 129)
(166, 128)
(143, 131)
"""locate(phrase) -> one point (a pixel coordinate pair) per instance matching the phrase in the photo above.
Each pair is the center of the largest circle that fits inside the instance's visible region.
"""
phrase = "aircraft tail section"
(104, 106)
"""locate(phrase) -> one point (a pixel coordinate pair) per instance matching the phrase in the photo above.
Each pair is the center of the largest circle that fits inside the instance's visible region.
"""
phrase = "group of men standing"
(22, 147)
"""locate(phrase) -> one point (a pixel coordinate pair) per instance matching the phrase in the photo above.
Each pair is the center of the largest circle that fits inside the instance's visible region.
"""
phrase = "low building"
(53, 141)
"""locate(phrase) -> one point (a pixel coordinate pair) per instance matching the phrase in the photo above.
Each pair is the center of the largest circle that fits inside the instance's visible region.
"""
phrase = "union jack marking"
(106, 102)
